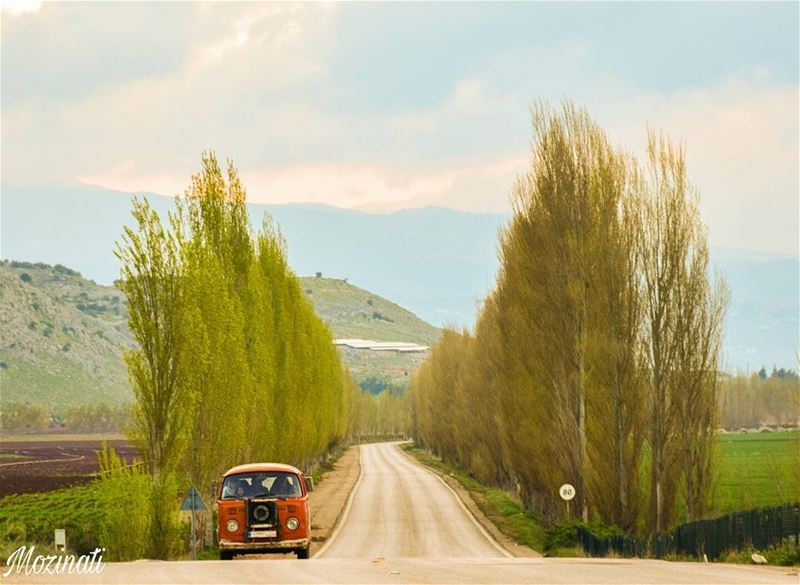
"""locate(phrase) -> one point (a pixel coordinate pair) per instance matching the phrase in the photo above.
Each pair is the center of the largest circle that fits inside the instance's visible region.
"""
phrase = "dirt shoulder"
(478, 506)
(328, 499)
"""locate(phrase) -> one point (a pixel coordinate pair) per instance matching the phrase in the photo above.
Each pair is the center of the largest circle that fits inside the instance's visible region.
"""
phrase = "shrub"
(60, 268)
(13, 535)
(165, 536)
(565, 535)
(91, 308)
(123, 494)
(25, 277)
(560, 536)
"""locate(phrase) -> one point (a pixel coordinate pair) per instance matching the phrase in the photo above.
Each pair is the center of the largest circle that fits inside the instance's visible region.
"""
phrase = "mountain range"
(437, 262)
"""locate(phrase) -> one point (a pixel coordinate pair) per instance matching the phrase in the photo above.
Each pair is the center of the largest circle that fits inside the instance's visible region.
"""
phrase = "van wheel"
(302, 553)
(225, 555)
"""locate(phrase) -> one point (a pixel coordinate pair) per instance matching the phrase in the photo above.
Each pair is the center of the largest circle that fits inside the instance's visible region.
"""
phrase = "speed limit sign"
(567, 492)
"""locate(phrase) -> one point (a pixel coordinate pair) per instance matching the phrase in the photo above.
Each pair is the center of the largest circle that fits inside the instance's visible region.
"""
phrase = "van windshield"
(261, 484)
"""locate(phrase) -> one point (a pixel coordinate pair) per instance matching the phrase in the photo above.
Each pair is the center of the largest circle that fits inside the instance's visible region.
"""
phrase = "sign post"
(567, 492)
(60, 539)
(193, 502)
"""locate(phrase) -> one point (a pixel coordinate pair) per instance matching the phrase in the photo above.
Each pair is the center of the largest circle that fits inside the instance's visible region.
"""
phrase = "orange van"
(263, 508)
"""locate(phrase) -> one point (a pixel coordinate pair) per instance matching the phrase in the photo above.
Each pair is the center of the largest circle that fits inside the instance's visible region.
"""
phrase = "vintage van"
(263, 508)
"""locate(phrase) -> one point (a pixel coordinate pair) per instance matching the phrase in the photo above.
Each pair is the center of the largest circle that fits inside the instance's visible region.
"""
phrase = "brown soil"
(43, 466)
(328, 499)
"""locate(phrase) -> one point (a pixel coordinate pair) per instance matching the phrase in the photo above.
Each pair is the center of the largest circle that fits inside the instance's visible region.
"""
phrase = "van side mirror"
(309, 483)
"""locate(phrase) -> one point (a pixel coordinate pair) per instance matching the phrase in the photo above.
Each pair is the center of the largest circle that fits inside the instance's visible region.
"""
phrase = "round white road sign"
(567, 492)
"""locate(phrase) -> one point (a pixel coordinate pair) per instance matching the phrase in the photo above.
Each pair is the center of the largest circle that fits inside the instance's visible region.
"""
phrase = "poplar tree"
(594, 360)
(157, 305)
(233, 364)
(151, 280)
(682, 319)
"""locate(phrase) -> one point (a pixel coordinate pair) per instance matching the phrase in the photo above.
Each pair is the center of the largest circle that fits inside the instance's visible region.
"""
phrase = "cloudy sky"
(389, 106)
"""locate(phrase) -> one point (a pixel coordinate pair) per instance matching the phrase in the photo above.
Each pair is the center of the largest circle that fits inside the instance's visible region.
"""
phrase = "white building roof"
(368, 344)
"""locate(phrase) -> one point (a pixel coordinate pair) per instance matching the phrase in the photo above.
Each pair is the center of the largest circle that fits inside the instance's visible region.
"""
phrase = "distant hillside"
(62, 336)
(352, 312)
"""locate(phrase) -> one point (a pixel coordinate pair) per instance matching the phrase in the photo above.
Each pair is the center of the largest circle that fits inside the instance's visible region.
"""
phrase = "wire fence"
(752, 529)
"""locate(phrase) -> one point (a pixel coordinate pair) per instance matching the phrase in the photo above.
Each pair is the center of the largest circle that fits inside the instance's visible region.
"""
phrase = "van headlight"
(292, 523)
(232, 526)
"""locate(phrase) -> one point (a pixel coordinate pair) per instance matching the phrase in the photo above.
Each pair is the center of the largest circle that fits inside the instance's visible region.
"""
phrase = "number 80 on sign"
(567, 492)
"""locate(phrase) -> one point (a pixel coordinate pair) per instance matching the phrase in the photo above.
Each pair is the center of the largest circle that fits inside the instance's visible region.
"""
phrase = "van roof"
(251, 467)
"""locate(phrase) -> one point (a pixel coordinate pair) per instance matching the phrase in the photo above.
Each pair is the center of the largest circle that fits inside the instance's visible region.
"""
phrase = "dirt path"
(329, 497)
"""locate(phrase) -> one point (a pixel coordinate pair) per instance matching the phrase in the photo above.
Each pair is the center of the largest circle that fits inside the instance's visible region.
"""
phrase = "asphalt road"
(402, 524)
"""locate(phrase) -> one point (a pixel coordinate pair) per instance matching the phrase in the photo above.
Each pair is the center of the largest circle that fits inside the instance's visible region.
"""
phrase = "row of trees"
(25, 417)
(37, 417)
(754, 401)
(385, 415)
(232, 363)
(594, 360)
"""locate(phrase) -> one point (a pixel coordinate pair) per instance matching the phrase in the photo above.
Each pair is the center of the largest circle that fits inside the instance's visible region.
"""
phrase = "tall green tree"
(596, 352)
(152, 282)
(233, 364)
(682, 322)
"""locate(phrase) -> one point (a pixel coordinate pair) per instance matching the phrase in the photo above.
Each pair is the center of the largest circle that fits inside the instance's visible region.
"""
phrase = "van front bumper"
(263, 546)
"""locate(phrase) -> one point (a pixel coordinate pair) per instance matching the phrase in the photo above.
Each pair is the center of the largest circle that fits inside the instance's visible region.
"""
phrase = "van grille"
(260, 513)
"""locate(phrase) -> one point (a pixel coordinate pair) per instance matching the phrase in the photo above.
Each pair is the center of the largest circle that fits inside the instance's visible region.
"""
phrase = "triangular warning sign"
(193, 501)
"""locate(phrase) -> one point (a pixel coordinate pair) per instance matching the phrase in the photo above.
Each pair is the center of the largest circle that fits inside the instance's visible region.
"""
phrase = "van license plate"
(262, 534)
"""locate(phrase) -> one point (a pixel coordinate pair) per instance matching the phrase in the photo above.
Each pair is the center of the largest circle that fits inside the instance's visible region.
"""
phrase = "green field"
(757, 470)
(31, 518)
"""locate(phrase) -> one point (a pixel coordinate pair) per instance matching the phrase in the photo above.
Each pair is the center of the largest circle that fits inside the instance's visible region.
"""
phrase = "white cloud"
(257, 85)
(17, 7)
(366, 187)
(742, 153)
